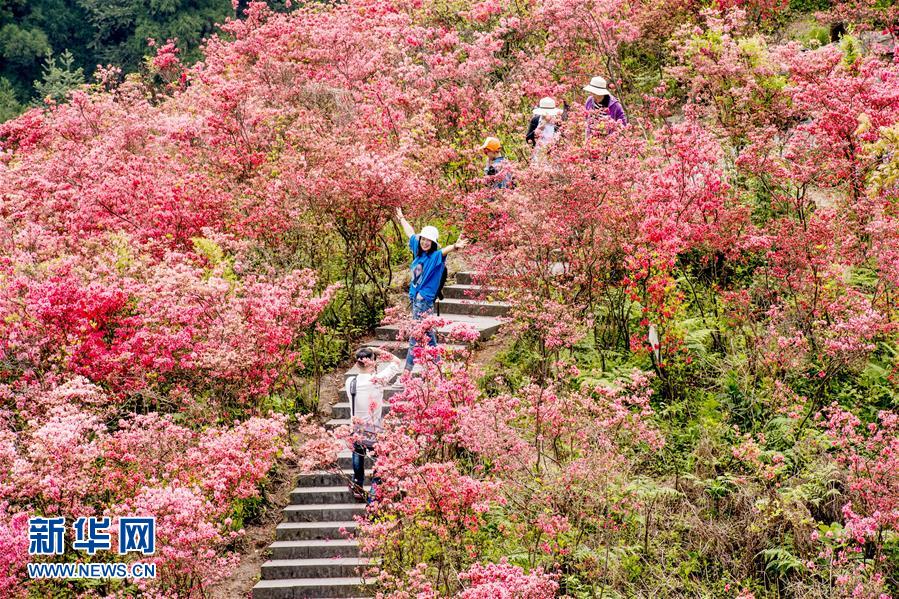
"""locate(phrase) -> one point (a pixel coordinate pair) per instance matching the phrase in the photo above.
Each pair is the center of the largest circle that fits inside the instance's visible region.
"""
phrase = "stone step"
(460, 291)
(322, 495)
(327, 512)
(487, 326)
(355, 371)
(402, 349)
(305, 531)
(388, 392)
(473, 306)
(337, 422)
(327, 478)
(334, 567)
(341, 410)
(345, 460)
(301, 588)
(315, 548)
(466, 277)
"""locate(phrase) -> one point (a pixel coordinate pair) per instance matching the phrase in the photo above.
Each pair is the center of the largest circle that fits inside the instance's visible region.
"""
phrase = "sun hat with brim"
(430, 232)
(493, 144)
(547, 107)
(597, 86)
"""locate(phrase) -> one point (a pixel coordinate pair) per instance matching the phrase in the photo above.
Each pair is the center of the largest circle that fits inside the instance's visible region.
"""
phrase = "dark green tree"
(9, 103)
(122, 27)
(94, 32)
(29, 30)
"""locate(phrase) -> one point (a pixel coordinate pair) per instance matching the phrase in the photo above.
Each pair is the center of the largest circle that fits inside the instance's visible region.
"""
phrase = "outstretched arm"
(460, 243)
(407, 228)
(390, 355)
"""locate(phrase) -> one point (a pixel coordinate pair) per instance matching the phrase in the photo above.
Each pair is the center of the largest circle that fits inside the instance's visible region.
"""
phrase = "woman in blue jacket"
(427, 267)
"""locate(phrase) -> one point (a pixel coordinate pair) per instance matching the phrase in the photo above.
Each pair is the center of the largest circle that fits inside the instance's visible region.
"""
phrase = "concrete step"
(316, 548)
(322, 495)
(473, 306)
(487, 326)
(334, 567)
(301, 588)
(345, 460)
(306, 531)
(388, 393)
(355, 371)
(327, 512)
(466, 277)
(337, 422)
(341, 410)
(403, 347)
(460, 291)
(327, 478)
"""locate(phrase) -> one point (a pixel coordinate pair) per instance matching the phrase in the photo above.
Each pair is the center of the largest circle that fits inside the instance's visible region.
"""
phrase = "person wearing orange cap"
(497, 166)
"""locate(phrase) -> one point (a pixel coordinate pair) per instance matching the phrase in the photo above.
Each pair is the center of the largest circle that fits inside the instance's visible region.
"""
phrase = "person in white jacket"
(365, 392)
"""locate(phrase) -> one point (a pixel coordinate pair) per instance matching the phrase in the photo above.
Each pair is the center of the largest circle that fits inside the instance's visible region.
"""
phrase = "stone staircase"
(314, 553)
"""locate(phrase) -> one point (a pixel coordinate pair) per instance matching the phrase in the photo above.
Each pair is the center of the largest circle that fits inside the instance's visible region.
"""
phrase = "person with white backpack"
(365, 392)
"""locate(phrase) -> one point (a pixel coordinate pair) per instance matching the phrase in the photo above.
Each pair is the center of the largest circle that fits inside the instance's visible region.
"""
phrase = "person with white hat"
(428, 264)
(601, 102)
(543, 129)
(545, 111)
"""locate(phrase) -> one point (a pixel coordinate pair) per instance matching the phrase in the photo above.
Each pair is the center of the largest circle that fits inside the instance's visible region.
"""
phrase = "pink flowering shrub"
(506, 581)
(66, 461)
(465, 476)
(186, 521)
(13, 550)
(870, 454)
(162, 324)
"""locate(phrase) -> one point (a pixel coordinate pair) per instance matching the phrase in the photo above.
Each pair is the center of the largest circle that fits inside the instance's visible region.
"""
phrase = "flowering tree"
(686, 291)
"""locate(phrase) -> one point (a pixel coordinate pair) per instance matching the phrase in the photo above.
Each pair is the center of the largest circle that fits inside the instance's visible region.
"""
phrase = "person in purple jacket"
(601, 102)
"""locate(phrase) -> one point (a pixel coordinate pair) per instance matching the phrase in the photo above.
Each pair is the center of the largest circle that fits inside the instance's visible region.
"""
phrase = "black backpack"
(443, 276)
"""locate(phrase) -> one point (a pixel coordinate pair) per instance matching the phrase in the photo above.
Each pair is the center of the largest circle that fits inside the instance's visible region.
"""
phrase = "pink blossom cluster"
(505, 581)
(70, 463)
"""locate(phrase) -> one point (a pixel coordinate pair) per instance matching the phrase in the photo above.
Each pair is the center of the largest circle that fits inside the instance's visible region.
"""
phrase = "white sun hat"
(430, 232)
(547, 107)
(597, 86)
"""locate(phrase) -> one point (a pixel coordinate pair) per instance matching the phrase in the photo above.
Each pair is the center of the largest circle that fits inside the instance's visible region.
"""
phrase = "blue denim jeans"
(420, 307)
(359, 451)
